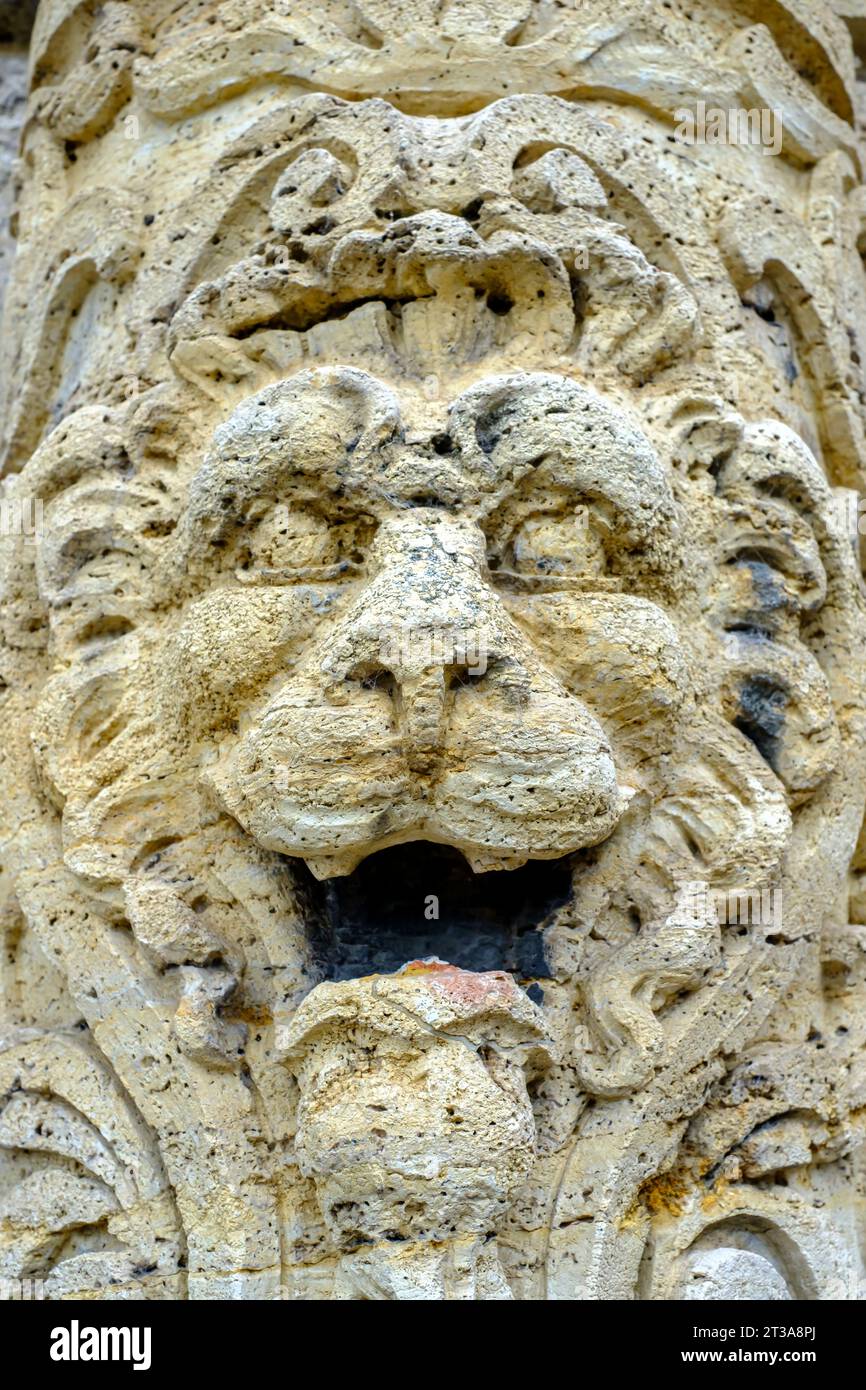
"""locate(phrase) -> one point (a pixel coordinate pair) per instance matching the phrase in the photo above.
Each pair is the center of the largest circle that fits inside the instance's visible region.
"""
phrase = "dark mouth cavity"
(421, 899)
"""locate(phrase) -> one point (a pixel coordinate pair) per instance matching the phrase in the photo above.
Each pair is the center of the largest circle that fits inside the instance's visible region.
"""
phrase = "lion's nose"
(421, 696)
(426, 625)
(421, 712)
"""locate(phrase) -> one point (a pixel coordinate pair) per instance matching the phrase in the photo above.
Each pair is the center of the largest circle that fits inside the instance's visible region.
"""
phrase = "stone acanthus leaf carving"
(621, 998)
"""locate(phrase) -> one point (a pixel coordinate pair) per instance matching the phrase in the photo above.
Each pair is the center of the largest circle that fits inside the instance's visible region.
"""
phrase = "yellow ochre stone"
(432, 673)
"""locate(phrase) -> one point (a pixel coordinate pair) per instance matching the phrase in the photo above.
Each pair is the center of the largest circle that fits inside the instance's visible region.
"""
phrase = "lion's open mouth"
(420, 899)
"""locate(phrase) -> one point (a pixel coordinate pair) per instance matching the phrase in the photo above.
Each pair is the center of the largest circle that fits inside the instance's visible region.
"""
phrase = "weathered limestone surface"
(433, 681)
(15, 22)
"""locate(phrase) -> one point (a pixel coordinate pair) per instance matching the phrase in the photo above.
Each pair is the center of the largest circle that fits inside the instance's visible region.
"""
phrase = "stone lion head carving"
(354, 632)
(406, 567)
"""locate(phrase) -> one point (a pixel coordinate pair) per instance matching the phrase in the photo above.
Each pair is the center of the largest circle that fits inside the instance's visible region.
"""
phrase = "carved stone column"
(432, 681)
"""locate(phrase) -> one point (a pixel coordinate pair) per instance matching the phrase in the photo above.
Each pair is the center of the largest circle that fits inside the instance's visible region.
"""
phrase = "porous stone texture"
(432, 682)
(16, 20)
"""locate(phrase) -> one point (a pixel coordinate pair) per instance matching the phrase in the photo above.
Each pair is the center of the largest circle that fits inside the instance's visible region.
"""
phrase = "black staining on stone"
(491, 425)
(780, 332)
(762, 715)
(852, 342)
(419, 900)
(487, 439)
(770, 595)
(531, 957)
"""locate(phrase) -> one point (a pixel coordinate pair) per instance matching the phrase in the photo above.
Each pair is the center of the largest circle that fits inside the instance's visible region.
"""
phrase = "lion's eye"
(552, 548)
(292, 540)
(288, 544)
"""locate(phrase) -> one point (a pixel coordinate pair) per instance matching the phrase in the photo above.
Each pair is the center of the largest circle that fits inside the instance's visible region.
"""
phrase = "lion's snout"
(440, 725)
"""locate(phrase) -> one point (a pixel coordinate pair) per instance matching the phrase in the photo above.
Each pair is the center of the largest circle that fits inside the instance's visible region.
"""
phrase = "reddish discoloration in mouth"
(468, 987)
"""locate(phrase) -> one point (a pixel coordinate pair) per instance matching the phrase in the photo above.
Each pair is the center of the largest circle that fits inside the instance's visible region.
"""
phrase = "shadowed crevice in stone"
(16, 20)
(381, 916)
(762, 717)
